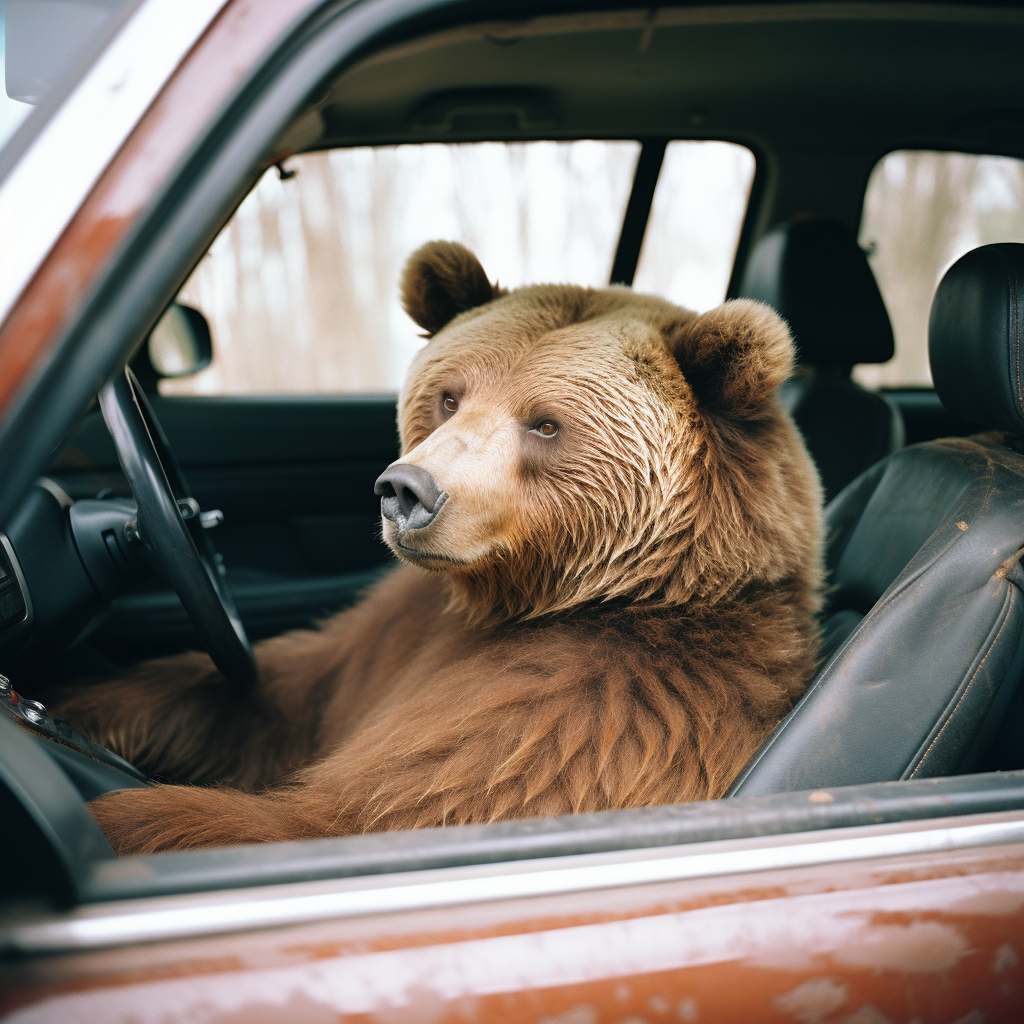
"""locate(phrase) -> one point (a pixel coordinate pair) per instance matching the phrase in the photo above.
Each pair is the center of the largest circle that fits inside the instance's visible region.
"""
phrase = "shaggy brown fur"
(611, 615)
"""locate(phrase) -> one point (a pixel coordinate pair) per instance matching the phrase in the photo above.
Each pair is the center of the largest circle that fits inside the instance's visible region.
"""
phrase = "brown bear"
(611, 533)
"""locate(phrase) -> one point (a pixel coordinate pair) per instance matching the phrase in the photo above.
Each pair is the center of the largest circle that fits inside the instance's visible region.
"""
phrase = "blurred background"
(301, 286)
(922, 212)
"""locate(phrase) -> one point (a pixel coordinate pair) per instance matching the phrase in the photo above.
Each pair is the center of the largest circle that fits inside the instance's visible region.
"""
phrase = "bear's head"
(563, 446)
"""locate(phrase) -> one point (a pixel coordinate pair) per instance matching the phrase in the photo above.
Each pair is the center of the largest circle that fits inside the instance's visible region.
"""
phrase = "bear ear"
(734, 357)
(442, 280)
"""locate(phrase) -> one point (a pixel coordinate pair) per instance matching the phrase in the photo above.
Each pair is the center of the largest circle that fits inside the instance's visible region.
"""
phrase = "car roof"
(857, 76)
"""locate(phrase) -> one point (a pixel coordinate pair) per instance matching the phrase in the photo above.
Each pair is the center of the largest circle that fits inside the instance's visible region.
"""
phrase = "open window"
(300, 287)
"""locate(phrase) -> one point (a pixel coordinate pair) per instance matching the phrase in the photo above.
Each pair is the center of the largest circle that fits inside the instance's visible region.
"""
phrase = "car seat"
(923, 654)
(818, 279)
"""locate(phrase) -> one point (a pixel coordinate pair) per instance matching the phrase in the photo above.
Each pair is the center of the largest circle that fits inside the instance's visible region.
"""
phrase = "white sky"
(12, 112)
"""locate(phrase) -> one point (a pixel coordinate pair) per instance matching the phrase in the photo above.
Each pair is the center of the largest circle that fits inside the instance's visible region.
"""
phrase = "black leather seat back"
(813, 272)
(818, 279)
(923, 630)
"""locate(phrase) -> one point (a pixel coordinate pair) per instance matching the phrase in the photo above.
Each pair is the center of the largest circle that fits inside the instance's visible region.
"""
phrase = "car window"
(301, 287)
(12, 109)
(922, 211)
(690, 244)
(41, 43)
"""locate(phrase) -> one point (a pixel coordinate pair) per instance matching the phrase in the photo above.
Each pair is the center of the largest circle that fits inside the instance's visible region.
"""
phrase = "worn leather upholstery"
(923, 629)
(813, 272)
(982, 300)
(847, 428)
(818, 279)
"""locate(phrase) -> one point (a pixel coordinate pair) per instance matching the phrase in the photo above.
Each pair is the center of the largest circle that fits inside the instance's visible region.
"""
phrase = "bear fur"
(613, 608)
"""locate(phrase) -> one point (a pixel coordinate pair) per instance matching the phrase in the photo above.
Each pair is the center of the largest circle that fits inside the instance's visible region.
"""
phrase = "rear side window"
(922, 211)
(301, 286)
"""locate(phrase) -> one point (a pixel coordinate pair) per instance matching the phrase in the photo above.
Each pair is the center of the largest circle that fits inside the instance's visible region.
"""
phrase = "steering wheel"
(169, 523)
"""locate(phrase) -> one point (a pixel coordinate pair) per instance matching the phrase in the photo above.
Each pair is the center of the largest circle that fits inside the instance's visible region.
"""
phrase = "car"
(172, 198)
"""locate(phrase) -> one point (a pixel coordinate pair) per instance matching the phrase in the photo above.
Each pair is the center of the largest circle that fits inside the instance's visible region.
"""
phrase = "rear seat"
(817, 277)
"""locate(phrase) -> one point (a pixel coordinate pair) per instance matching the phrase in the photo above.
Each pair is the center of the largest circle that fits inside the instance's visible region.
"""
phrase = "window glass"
(301, 287)
(41, 43)
(922, 212)
(690, 244)
(12, 111)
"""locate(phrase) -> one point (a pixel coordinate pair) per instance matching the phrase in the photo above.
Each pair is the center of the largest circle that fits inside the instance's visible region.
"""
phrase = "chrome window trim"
(49, 183)
(177, 917)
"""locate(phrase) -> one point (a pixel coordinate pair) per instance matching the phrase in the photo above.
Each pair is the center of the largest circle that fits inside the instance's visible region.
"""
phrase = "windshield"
(45, 48)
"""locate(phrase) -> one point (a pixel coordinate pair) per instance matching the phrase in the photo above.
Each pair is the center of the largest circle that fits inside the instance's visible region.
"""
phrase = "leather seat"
(816, 276)
(923, 630)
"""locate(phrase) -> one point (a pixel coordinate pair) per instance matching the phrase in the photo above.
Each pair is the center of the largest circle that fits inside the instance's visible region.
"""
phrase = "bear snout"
(409, 496)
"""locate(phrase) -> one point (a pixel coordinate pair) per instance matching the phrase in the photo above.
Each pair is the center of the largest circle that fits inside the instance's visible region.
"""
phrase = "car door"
(293, 477)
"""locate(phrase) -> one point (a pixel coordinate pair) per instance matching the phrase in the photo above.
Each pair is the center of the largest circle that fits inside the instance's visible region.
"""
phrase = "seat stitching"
(1015, 328)
(1014, 341)
(896, 589)
(893, 593)
(952, 714)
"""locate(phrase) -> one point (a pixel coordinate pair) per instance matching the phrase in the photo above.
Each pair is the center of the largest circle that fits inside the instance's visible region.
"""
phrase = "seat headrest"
(974, 337)
(816, 276)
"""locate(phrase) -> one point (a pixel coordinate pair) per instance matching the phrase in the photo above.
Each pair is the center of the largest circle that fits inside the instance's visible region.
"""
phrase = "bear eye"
(546, 429)
(450, 404)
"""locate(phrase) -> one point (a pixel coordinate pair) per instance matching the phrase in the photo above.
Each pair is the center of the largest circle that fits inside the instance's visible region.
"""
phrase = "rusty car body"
(889, 901)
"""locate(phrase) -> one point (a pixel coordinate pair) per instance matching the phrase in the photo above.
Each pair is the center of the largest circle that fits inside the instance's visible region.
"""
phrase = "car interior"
(916, 708)
(807, 270)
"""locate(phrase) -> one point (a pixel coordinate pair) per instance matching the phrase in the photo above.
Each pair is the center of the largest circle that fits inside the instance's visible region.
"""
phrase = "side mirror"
(178, 346)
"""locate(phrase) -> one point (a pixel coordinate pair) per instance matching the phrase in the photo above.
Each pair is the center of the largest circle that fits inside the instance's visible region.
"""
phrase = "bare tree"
(923, 211)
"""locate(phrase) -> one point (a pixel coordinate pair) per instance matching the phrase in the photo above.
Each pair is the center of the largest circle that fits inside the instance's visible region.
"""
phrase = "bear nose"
(409, 493)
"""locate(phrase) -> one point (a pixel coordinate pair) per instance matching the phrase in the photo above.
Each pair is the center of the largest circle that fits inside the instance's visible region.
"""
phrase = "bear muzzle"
(410, 497)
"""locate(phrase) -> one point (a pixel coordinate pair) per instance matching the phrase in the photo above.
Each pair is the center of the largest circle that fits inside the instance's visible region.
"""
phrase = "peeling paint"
(812, 1001)
(989, 901)
(974, 1017)
(422, 1006)
(921, 947)
(839, 935)
(299, 1008)
(867, 1014)
(1005, 958)
(819, 796)
(582, 1014)
(688, 1010)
